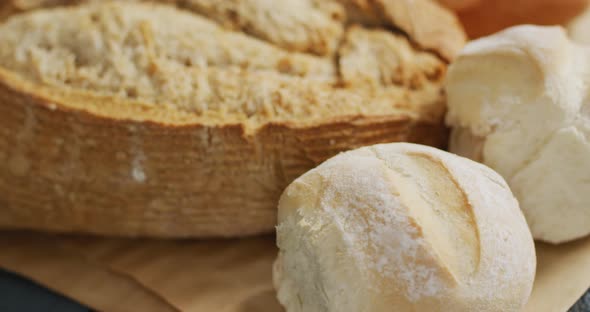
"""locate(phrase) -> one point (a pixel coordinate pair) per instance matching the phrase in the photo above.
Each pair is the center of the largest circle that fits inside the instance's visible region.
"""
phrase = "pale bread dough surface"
(518, 102)
(404, 226)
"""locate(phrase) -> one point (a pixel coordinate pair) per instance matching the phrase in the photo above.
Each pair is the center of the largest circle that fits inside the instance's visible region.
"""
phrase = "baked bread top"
(405, 226)
(428, 24)
(233, 61)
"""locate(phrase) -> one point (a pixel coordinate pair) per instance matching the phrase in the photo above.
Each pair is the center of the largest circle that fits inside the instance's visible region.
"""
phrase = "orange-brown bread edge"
(69, 171)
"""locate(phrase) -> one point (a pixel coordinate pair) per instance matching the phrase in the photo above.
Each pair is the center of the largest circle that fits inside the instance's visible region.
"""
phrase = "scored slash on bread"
(124, 118)
(405, 226)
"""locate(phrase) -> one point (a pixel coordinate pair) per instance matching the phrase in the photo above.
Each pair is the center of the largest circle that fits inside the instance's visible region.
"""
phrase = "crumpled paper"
(110, 274)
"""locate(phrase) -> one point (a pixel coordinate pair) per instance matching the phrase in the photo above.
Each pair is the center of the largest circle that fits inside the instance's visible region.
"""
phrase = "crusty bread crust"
(73, 171)
(71, 161)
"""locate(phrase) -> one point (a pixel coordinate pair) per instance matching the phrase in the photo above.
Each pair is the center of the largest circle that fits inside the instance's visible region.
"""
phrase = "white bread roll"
(402, 227)
(519, 103)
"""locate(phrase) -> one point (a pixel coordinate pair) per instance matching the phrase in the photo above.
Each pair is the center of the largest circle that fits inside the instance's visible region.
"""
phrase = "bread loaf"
(144, 119)
(485, 17)
(402, 227)
(518, 102)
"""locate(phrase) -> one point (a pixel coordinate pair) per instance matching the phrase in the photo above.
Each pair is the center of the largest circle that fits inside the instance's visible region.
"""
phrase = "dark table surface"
(21, 295)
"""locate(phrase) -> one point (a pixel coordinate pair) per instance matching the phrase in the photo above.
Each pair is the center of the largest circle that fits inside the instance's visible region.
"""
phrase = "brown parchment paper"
(216, 275)
(39, 258)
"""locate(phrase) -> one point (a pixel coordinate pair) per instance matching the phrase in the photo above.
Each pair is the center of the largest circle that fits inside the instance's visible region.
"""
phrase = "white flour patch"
(138, 157)
(137, 170)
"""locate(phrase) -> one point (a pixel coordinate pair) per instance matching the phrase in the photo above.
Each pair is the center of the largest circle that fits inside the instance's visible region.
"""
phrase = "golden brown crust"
(70, 171)
(75, 161)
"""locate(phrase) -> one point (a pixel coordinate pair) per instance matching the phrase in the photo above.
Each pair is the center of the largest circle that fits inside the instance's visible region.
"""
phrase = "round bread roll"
(404, 227)
(518, 102)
